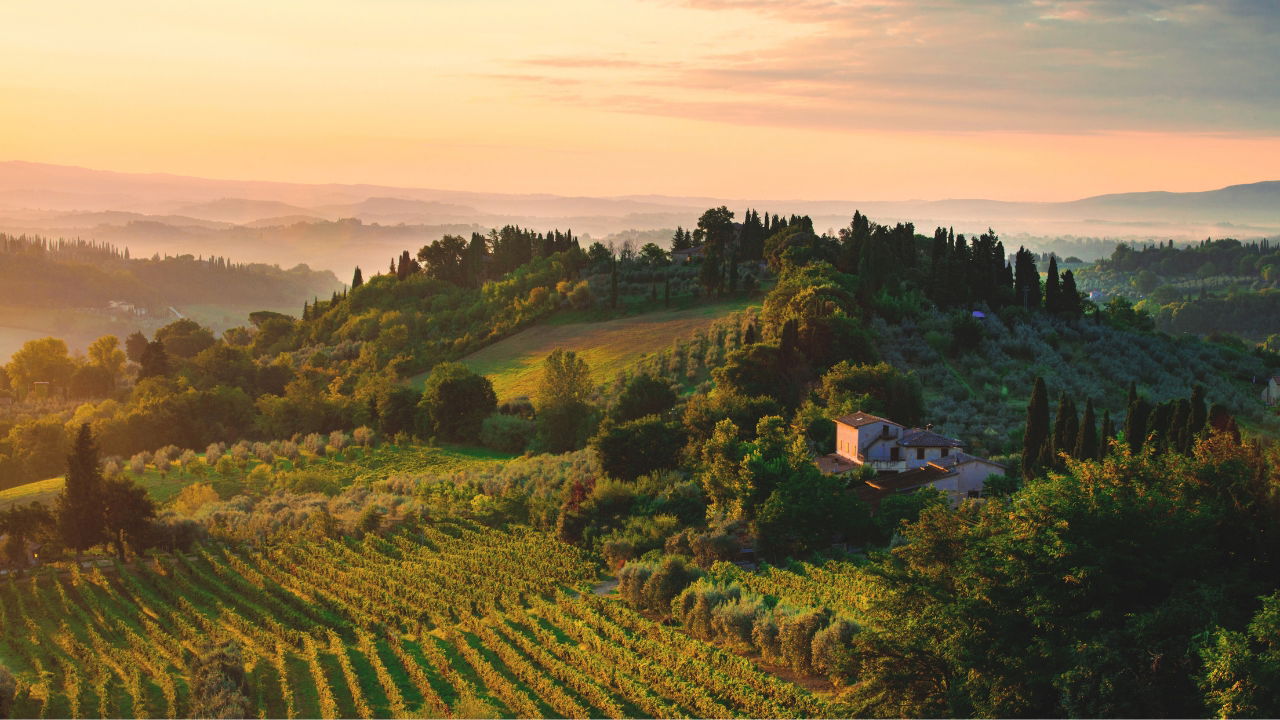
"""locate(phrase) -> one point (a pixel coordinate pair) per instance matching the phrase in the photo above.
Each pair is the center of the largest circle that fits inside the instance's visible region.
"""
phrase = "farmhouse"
(905, 459)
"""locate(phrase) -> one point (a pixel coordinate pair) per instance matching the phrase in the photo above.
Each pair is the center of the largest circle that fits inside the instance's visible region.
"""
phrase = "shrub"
(631, 581)
(338, 440)
(733, 621)
(213, 453)
(665, 583)
(506, 433)
(832, 652)
(795, 638)
(193, 497)
(138, 463)
(764, 635)
(314, 444)
(710, 548)
(363, 436)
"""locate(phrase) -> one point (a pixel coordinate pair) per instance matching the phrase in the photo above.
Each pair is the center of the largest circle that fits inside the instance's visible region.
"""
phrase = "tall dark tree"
(134, 346)
(127, 514)
(680, 241)
(1026, 280)
(1199, 414)
(1052, 287)
(1036, 435)
(79, 507)
(1135, 424)
(155, 360)
(1070, 297)
(357, 279)
(1106, 433)
(1087, 437)
(1065, 426)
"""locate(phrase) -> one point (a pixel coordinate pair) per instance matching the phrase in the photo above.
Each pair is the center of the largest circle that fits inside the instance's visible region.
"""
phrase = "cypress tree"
(357, 279)
(1026, 279)
(79, 507)
(1087, 438)
(1135, 424)
(749, 337)
(1070, 296)
(1178, 438)
(1199, 414)
(1158, 425)
(1064, 427)
(1107, 432)
(1036, 434)
(789, 343)
(1052, 290)
(1132, 396)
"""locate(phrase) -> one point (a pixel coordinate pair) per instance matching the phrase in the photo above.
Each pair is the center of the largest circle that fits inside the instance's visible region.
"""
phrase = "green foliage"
(79, 507)
(564, 417)
(642, 395)
(506, 433)
(1097, 570)
(1241, 675)
(455, 401)
(880, 389)
(630, 449)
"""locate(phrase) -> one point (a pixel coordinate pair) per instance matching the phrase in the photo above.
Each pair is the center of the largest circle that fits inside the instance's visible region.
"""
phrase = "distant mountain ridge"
(278, 221)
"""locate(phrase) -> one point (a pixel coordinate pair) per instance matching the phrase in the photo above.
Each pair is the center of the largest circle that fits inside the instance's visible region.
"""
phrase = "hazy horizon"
(1022, 101)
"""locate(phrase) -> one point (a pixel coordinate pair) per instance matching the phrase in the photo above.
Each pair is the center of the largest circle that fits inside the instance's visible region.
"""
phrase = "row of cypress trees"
(1170, 426)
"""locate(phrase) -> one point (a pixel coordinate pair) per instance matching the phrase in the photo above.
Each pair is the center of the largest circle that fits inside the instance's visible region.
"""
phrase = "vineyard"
(835, 585)
(440, 620)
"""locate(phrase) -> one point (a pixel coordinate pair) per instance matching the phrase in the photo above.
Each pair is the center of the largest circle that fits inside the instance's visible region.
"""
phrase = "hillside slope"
(514, 365)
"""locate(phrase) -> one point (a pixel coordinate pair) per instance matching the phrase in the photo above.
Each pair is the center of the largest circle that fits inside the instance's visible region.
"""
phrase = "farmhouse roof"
(921, 437)
(833, 464)
(860, 418)
(960, 458)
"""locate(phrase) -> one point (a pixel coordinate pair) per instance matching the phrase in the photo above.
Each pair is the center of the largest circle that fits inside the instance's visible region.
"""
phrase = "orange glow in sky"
(759, 99)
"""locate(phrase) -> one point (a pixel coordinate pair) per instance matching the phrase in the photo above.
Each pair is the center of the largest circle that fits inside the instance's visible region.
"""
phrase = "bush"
(764, 635)
(506, 433)
(795, 638)
(832, 651)
(734, 621)
(455, 401)
(631, 581)
(193, 497)
(363, 436)
(665, 584)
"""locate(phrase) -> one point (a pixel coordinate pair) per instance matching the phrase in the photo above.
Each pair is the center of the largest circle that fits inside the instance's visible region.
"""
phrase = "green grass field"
(514, 364)
(376, 464)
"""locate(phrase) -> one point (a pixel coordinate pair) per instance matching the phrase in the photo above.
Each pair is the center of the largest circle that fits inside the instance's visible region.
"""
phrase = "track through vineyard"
(431, 621)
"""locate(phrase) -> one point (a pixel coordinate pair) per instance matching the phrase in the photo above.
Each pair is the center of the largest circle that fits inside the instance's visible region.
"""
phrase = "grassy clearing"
(345, 470)
(514, 365)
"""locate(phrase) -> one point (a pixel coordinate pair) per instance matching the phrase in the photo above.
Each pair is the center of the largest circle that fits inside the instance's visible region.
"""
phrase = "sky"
(766, 99)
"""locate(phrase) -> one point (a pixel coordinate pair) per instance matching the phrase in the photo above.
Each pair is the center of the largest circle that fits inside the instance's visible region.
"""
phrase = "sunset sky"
(1039, 99)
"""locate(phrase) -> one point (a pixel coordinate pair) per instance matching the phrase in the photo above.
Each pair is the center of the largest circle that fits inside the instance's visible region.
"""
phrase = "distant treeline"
(42, 272)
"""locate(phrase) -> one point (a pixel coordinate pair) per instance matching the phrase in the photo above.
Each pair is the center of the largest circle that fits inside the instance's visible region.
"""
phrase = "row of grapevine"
(437, 620)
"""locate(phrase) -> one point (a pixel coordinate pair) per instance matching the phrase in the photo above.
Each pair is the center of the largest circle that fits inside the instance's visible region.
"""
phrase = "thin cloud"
(1079, 66)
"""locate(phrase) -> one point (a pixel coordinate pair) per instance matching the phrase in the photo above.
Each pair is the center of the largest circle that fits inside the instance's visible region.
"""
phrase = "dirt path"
(605, 588)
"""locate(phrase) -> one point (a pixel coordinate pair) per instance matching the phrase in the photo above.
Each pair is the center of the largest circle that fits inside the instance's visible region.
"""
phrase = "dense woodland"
(1212, 287)
(1125, 565)
(42, 272)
